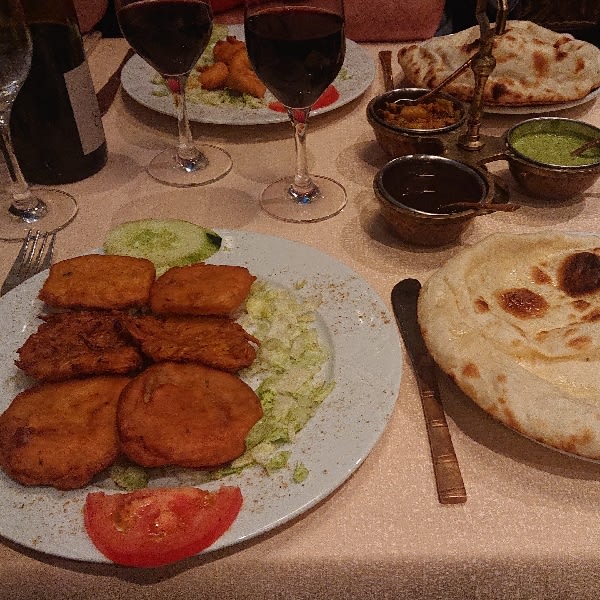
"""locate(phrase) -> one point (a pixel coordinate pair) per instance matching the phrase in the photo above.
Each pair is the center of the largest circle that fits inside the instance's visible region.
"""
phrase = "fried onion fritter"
(186, 415)
(61, 434)
(77, 344)
(218, 342)
(99, 281)
(201, 289)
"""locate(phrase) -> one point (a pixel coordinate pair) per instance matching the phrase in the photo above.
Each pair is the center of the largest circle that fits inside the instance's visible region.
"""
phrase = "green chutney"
(554, 148)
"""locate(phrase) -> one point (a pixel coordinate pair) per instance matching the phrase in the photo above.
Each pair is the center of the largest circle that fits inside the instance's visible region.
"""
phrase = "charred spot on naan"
(522, 303)
(579, 274)
(471, 371)
(481, 305)
(540, 276)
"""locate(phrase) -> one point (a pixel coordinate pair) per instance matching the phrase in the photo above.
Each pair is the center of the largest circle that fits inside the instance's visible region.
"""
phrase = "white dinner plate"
(366, 365)
(354, 79)
(540, 108)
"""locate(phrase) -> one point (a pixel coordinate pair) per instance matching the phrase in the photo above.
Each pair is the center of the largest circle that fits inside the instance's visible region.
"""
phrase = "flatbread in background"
(534, 65)
(515, 322)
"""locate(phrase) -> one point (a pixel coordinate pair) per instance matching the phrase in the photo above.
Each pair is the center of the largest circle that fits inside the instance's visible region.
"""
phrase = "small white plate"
(354, 79)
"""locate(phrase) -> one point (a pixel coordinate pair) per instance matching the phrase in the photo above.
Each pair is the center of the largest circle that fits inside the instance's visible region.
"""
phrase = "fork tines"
(34, 256)
(38, 252)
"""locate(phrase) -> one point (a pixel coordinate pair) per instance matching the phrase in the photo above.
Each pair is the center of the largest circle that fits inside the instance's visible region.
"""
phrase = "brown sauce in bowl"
(429, 186)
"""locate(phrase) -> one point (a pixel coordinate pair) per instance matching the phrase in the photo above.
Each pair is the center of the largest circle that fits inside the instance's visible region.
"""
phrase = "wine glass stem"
(20, 190)
(25, 206)
(188, 155)
(303, 188)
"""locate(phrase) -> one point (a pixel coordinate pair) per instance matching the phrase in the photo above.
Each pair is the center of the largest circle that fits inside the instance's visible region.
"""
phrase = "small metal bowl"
(400, 141)
(413, 191)
(544, 179)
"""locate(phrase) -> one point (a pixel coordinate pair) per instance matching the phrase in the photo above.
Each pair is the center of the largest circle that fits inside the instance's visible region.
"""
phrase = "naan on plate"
(534, 65)
(515, 322)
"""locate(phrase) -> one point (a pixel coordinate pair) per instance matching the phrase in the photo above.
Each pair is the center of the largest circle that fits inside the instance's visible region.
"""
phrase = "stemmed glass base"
(52, 210)
(282, 200)
(211, 164)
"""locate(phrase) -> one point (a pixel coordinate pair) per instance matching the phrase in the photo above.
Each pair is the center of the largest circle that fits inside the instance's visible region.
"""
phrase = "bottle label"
(85, 107)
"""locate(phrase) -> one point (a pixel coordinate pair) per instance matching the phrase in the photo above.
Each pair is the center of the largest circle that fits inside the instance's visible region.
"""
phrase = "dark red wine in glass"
(296, 53)
(170, 35)
(297, 50)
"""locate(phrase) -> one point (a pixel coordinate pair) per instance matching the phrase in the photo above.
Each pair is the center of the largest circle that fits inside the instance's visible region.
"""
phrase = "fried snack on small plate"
(201, 289)
(61, 434)
(213, 77)
(76, 344)
(223, 50)
(186, 415)
(99, 281)
(231, 69)
(242, 77)
(218, 342)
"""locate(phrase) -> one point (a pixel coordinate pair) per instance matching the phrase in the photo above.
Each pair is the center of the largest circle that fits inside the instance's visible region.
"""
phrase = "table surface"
(528, 528)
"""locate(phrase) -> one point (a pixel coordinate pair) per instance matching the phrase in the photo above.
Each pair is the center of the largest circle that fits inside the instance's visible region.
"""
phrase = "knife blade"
(448, 478)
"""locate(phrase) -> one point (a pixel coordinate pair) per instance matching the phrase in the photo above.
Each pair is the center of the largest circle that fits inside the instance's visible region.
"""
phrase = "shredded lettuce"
(289, 363)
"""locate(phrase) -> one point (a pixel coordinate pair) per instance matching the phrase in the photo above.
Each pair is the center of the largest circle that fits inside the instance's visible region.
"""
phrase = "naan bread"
(534, 65)
(515, 322)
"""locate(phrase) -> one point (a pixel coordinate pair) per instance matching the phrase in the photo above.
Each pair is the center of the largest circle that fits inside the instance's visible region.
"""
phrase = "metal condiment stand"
(470, 146)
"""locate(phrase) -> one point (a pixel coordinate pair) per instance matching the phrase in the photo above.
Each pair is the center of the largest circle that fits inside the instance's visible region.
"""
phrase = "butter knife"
(448, 478)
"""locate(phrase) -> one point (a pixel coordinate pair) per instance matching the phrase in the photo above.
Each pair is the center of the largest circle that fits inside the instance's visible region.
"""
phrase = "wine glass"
(170, 35)
(297, 48)
(39, 208)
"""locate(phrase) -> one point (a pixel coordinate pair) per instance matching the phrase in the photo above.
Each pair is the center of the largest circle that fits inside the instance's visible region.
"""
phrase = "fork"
(34, 256)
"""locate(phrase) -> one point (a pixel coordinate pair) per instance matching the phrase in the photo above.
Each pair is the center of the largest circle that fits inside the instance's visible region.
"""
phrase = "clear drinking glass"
(39, 208)
(297, 48)
(170, 35)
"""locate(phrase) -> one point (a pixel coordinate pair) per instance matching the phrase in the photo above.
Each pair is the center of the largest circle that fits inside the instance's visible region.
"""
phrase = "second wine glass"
(297, 49)
(170, 35)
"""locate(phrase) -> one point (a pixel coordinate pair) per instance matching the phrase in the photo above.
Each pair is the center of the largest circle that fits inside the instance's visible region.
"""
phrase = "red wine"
(55, 122)
(170, 35)
(297, 53)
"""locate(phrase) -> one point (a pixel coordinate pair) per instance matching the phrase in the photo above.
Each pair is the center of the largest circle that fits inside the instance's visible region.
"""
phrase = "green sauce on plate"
(554, 148)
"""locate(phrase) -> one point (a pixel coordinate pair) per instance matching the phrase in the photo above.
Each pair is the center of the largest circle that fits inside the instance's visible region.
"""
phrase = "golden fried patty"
(201, 289)
(187, 415)
(61, 434)
(99, 281)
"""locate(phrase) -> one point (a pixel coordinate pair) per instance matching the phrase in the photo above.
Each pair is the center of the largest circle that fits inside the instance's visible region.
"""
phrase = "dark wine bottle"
(55, 123)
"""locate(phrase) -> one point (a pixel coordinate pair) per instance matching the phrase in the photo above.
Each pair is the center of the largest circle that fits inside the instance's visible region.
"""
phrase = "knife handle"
(448, 478)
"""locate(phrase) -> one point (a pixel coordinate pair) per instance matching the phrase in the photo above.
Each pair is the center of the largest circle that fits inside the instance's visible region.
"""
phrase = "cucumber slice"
(166, 242)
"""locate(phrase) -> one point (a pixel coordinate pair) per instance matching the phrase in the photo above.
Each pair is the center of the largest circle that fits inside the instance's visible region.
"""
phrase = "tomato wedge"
(155, 527)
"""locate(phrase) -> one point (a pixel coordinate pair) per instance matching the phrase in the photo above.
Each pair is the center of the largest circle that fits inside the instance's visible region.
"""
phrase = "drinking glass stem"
(188, 155)
(24, 205)
(303, 189)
